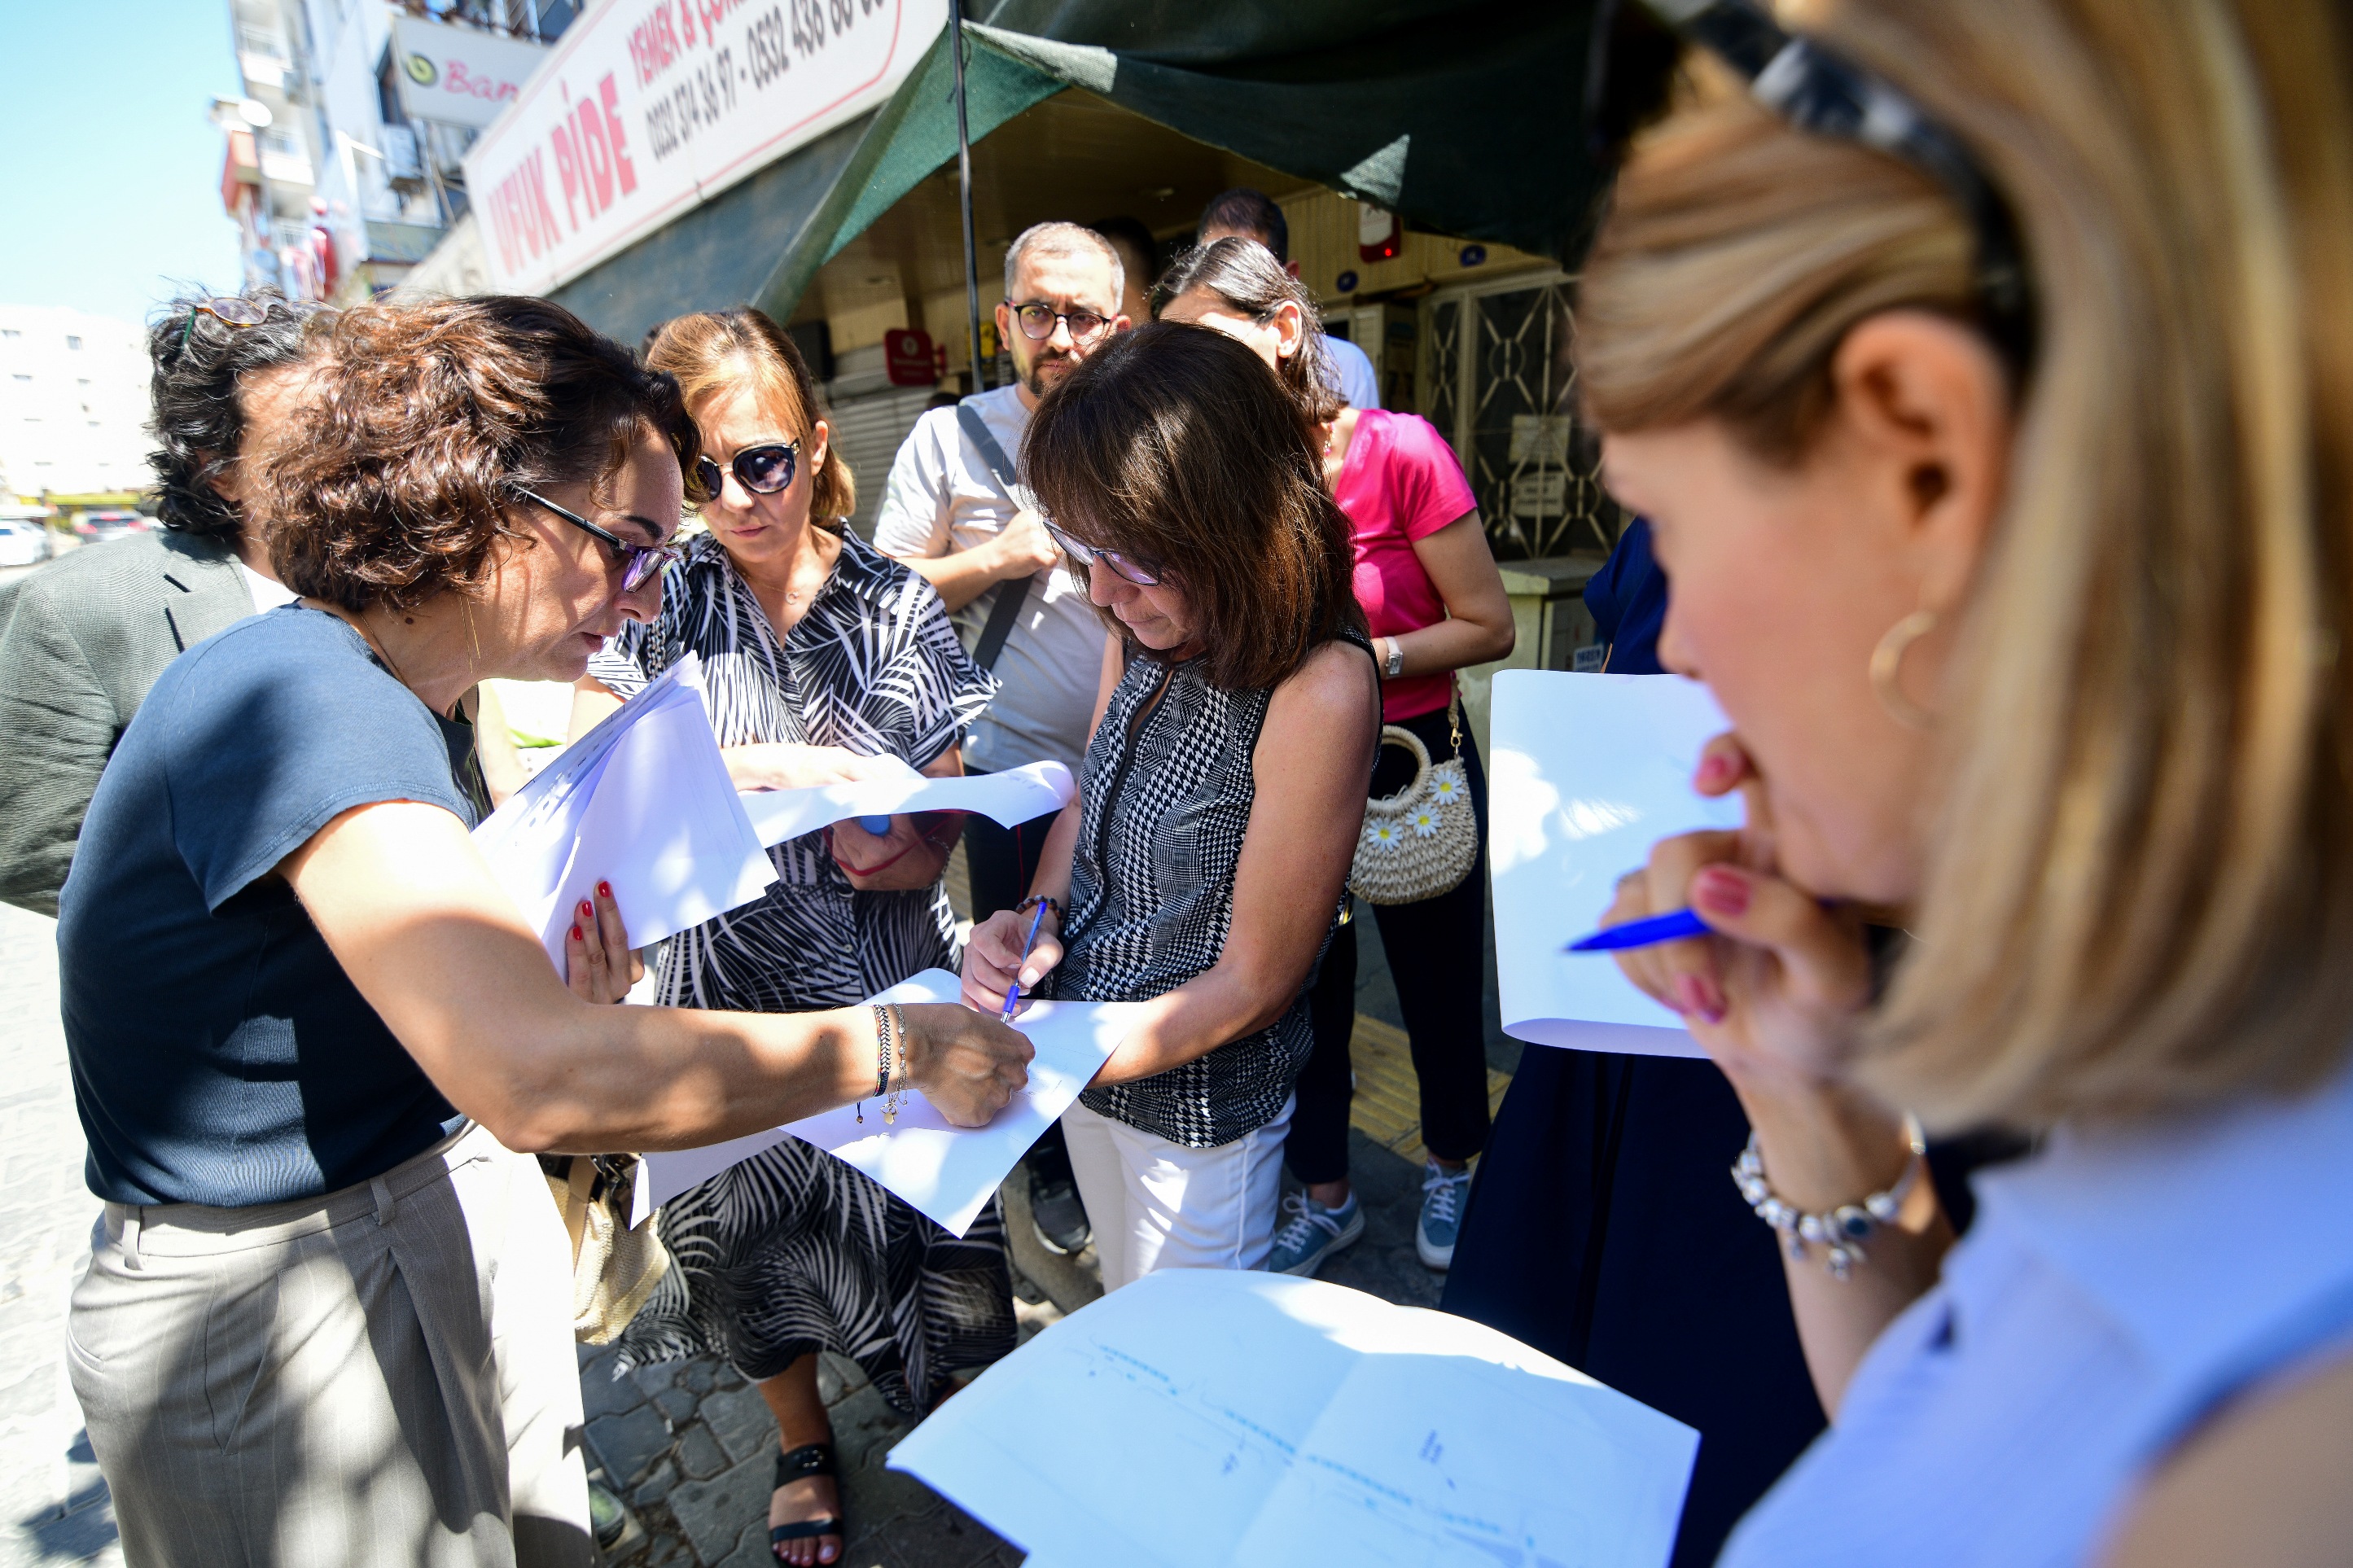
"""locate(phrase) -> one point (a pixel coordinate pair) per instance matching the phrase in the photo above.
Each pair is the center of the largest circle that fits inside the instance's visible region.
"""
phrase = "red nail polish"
(603, 889)
(1721, 891)
(575, 934)
(1713, 769)
(588, 910)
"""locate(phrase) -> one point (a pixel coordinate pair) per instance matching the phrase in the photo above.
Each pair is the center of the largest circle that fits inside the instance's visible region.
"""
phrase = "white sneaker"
(1443, 1193)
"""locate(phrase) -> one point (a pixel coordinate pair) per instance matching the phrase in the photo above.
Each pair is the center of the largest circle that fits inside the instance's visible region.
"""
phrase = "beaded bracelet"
(1842, 1230)
(881, 1064)
(893, 1097)
(1026, 905)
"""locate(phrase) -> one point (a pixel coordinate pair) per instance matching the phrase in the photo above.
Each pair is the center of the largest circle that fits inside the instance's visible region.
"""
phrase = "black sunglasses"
(1637, 49)
(638, 562)
(1086, 554)
(762, 470)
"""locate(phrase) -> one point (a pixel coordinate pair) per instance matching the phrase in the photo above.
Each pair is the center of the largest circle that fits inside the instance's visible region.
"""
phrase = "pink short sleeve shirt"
(1400, 483)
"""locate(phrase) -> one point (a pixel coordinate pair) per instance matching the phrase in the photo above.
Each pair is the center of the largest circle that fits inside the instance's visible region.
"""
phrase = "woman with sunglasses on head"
(1429, 589)
(1984, 370)
(823, 660)
(1199, 869)
(327, 1315)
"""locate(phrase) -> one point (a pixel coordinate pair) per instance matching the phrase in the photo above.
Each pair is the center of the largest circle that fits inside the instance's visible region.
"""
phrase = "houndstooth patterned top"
(1165, 794)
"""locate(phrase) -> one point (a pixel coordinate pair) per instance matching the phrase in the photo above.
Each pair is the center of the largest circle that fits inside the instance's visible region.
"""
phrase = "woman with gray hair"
(83, 640)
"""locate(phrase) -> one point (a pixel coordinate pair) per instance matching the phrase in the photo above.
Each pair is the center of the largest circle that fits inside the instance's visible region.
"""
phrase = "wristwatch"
(1396, 666)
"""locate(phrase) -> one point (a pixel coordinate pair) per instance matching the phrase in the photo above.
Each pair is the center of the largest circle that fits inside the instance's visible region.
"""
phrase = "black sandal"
(808, 1459)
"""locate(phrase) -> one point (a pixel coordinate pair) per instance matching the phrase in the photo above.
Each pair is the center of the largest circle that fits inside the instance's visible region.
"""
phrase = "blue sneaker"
(1314, 1233)
(1442, 1194)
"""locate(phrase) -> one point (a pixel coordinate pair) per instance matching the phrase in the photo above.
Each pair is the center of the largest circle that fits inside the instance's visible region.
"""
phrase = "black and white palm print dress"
(792, 1250)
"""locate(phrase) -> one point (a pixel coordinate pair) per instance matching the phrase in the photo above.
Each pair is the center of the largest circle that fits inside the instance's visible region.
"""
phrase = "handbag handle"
(1399, 736)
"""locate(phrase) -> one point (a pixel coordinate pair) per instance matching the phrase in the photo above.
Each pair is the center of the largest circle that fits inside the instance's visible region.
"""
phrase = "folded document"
(1257, 1420)
(946, 1172)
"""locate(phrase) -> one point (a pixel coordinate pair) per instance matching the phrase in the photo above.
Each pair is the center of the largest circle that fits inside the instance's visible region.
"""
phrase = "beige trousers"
(383, 1376)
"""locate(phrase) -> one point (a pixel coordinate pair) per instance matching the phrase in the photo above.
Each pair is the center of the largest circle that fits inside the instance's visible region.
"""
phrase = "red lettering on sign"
(542, 215)
(594, 154)
(653, 43)
(568, 169)
(609, 96)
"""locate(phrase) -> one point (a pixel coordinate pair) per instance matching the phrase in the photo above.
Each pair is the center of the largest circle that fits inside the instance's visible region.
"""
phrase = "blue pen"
(1675, 925)
(1013, 991)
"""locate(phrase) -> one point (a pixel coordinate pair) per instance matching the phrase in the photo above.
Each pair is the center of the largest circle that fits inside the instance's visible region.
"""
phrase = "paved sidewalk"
(56, 1509)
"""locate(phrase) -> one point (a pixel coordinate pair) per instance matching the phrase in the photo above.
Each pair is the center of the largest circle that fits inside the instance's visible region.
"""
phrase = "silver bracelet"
(1841, 1231)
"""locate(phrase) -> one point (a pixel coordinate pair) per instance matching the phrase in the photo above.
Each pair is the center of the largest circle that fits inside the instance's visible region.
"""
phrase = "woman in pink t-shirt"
(1435, 603)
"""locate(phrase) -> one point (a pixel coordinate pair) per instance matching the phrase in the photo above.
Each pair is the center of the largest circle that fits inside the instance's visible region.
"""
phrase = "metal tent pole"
(964, 176)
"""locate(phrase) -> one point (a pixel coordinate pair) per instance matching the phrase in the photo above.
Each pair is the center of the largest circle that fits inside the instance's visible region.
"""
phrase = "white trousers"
(1158, 1204)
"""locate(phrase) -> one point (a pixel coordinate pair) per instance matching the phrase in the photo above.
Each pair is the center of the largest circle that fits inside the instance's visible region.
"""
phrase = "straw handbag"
(614, 1268)
(1424, 840)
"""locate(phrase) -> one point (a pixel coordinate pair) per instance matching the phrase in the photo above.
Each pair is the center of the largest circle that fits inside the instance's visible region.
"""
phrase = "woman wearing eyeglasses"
(1199, 868)
(327, 1314)
(820, 658)
(1983, 367)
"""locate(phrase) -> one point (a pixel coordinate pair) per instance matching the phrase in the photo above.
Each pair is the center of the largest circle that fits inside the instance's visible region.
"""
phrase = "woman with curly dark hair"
(326, 1318)
(83, 640)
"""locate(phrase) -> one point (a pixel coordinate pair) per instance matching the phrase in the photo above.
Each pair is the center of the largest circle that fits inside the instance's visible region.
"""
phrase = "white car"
(23, 542)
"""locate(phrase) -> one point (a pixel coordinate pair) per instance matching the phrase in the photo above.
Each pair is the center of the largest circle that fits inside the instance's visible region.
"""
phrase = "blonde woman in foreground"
(2001, 468)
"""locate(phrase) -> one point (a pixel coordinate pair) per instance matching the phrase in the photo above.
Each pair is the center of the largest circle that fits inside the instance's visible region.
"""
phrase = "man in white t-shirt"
(946, 514)
(1245, 214)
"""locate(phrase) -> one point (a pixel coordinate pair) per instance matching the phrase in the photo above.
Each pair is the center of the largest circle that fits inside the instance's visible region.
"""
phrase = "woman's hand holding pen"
(993, 958)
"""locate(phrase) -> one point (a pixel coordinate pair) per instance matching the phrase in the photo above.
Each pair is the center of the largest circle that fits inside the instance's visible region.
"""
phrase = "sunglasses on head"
(1086, 554)
(638, 561)
(1637, 50)
(761, 470)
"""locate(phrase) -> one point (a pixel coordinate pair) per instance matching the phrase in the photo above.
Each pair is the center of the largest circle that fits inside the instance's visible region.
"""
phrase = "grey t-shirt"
(941, 499)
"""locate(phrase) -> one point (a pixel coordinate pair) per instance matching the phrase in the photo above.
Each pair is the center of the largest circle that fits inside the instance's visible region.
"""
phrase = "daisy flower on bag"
(1425, 823)
(1446, 787)
(1383, 834)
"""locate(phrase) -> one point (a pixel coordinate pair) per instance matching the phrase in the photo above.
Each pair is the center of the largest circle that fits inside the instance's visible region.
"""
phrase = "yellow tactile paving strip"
(1387, 1107)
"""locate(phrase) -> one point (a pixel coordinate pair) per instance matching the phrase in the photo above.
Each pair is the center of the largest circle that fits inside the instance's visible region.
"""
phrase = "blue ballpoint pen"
(1013, 991)
(1675, 925)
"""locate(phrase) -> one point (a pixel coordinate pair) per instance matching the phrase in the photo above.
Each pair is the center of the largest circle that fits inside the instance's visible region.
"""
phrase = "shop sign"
(456, 76)
(649, 107)
(908, 358)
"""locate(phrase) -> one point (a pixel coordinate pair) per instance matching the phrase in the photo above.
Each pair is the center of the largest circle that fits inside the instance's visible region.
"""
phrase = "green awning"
(1463, 119)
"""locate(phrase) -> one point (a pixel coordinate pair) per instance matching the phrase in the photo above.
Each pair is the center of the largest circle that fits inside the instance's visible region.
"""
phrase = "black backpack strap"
(1005, 608)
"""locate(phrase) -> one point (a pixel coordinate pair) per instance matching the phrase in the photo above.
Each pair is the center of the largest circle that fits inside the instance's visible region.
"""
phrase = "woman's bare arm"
(434, 942)
(1478, 626)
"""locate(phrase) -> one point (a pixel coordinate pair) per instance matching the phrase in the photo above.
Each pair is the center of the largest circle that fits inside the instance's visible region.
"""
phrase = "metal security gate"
(1496, 380)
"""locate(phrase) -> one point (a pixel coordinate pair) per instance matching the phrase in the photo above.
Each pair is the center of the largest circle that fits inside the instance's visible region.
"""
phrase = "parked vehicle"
(98, 527)
(24, 542)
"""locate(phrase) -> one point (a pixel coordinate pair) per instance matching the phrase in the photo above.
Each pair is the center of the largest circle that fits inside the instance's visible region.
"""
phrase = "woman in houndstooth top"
(1200, 867)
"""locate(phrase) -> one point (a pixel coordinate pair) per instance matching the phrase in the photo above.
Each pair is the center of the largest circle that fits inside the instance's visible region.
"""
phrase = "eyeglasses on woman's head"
(762, 470)
(638, 561)
(1121, 565)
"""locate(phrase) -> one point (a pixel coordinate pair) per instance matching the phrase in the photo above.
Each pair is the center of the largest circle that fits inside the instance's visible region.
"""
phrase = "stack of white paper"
(1014, 796)
(1259, 1421)
(1587, 771)
(945, 1171)
(642, 801)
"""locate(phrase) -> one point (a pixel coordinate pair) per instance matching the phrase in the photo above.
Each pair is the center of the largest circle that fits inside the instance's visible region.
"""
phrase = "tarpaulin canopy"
(1462, 118)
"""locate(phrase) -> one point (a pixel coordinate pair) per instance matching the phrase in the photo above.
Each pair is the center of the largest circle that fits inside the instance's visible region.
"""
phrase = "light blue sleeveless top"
(2113, 1290)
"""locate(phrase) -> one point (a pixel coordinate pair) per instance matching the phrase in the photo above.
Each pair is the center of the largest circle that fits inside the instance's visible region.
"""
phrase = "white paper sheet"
(1585, 772)
(1207, 1417)
(1014, 796)
(642, 801)
(945, 1171)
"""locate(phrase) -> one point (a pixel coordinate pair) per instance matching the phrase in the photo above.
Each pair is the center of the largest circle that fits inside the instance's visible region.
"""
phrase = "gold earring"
(1887, 669)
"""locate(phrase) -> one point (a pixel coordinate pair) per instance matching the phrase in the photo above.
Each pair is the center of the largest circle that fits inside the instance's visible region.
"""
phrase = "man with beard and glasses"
(955, 511)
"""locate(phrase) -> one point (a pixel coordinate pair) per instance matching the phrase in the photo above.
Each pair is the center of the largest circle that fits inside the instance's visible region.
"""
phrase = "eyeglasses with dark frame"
(762, 470)
(1636, 52)
(1086, 554)
(1038, 321)
(638, 562)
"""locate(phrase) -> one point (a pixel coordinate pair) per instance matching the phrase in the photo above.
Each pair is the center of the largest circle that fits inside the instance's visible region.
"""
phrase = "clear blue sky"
(112, 181)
